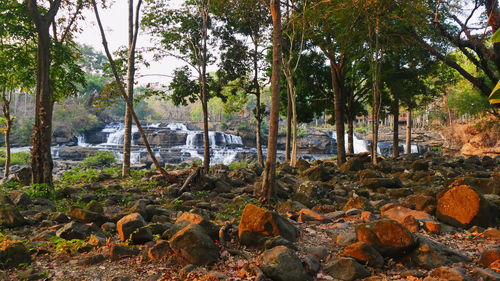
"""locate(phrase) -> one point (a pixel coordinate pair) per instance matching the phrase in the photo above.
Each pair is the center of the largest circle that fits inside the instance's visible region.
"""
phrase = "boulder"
(419, 165)
(73, 230)
(194, 245)
(489, 256)
(420, 203)
(353, 164)
(76, 153)
(210, 228)
(482, 185)
(22, 176)
(160, 251)
(256, 224)
(13, 255)
(406, 216)
(346, 269)
(307, 215)
(357, 202)
(131, 223)
(117, 252)
(462, 206)
(364, 253)
(317, 173)
(388, 237)
(374, 183)
(281, 264)
(310, 193)
(87, 216)
(445, 273)
(430, 254)
(10, 217)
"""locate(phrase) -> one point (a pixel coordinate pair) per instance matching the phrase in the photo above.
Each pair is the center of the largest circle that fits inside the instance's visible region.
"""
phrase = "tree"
(269, 175)
(447, 31)
(123, 92)
(184, 34)
(240, 63)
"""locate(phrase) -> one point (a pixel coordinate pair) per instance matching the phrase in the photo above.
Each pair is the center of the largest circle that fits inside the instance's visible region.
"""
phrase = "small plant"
(80, 175)
(435, 148)
(17, 158)
(177, 204)
(12, 185)
(99, 160)
(63, 246)
(237, 165)
(41, 190)
(201, 194)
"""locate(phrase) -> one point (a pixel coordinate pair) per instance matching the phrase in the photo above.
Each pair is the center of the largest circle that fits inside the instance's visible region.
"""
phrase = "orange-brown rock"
(489, 256)
(194, 245)
(160, 251)
(407, 217)
(418, 202)
(307, 215)
(364, 253)
(463, 206)
(208, 226)
(357, 203)
(389, 237)
(256, 224)
(492, 233)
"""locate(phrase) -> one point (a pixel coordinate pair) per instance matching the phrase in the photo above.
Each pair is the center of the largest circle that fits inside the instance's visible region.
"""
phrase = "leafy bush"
(18, 158)
(80, 175)
(237, 165)
(100, 159)
(41, 190)
(63, 246)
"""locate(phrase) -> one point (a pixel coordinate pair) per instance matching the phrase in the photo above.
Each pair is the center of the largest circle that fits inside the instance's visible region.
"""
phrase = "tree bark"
(41, 158)
(204, 90)
(395, 130)
(258, 114)
(288, 143)
(7, 130)
(337, 81)
(408, 132)
(350, 123)
(127, 138)
(269, 175)
(293, 108)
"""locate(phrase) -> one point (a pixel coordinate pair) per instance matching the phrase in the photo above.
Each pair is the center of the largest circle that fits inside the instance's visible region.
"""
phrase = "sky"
(115, 21)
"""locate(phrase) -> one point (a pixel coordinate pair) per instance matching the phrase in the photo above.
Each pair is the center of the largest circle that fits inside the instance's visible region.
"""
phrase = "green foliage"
(202, 194)
(99, 160)
(468, 102)
(237, 165)
(63, 246)
(80, 175)
(12, 185)
(41, 190)
(17, 158)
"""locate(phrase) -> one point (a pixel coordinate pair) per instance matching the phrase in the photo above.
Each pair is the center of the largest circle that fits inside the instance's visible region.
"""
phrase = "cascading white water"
(117, 137)
(360, 145)
(81, 141)
(177, 126)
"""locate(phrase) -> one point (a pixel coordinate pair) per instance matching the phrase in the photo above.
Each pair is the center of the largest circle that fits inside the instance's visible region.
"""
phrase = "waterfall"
(191, 138)
(177, 126)
(360, 145)
(81, 141)
(117, 135)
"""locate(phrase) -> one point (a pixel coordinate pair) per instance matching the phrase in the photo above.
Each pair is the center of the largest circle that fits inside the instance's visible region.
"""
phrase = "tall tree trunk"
(7, 130)
(408, 132)
(258, 115)
(269, 175)
(350, 123)
(288, 142)
(350, 134)
(41, 157)
(127, 138)
(395, 129)
(375, 65)
(293, 108)
(204, 90)
(337, 81)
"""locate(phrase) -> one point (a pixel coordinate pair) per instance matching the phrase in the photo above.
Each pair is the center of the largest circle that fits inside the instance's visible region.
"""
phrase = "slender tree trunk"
(258, 117)
(124, 93)
(350, 124)
(337, 80)
(8, 128)
(408, 132)
(269, 175)
(127, 138)
(395, 130)
(376, 64)
(293, 107)
(288, 143)
(204, 90)
(350, 134)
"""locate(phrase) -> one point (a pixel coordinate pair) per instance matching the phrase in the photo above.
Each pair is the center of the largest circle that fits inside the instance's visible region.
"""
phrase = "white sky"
(115, 21)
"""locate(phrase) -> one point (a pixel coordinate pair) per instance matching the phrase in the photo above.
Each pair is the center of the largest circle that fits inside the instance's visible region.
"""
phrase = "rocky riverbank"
(414, 218)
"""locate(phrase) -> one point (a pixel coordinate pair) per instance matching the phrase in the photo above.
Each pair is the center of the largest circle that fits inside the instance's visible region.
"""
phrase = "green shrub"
(41, 190)
(100, 159)
(18, 158)
(237, 165)
(80, 175)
